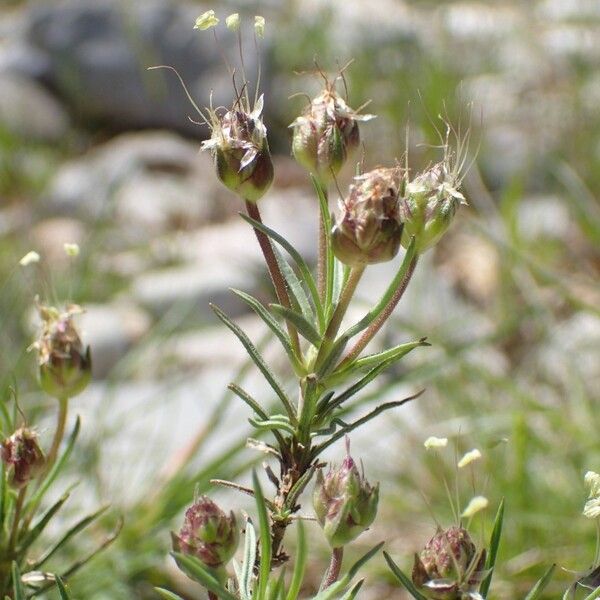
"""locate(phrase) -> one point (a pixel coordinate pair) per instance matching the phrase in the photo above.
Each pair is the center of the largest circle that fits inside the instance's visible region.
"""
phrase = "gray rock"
(96, 54)
(30, 112)
(111, 330)
(91, 186)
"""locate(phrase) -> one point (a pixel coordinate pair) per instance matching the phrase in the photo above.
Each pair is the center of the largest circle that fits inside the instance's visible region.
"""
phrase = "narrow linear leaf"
(249, 560)
(539, 587)
(594, 595)
(274, 590)
(392, 355)
(265, 538)
(296, 291)
(272, 425)
(73, 531)
(57, 467)
(39, 527)
(364, 559)
(258, 360)
(296, 257)
(304, 327)
(403, 578)
(195, 570)
(299, 564)
(493, 551)
(330, 360)
(18, 591)
(345, 430)
(62, 590)
(167, 594)
(351, 594)
(272, 324)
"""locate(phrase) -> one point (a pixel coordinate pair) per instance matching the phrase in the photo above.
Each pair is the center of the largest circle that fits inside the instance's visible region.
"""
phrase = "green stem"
(275, 273)
(59, 432)
(376, 325)
(15, 526)
(335, 566)
(321, 263)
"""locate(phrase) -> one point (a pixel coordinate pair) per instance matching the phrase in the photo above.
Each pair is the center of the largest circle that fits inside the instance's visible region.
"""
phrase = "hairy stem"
(344, 302)
(376, 325)
(274, 271)
(59, 433)
(335, 566)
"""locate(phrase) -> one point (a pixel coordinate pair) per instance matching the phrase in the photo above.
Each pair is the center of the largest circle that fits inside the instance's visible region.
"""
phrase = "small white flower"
(476, 504)
(233, 21)
(206, 20)
(259, 26)
(469, 457)
(30, 258)
(435, 442)
(71, 249)
(591, 510)
(592, 480)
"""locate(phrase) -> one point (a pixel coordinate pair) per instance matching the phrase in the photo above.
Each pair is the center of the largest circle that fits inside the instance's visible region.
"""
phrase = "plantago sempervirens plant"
(325, 354)
(29, 473)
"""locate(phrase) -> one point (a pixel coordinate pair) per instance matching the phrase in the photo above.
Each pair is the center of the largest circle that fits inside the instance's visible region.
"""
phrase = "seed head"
(65, 367)
(240, 150)
(344, 502)
(22, 457)
(208, 534)
(368, 229)
(449, 567)
(326, 134)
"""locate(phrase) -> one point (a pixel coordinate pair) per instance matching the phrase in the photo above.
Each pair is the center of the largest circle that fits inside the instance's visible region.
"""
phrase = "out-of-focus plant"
(27, 482)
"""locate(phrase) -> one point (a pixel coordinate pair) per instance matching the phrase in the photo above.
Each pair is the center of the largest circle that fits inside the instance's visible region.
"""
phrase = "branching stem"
(376, 325)
(274, 271)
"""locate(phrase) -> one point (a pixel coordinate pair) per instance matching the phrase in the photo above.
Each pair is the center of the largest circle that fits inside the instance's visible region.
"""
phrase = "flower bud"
(208, 534)
(22, 457)
(326, 134)
(65, 367)
(444, 569)
(368, 229)
(429, 205)
(344, 502)
(241, 152)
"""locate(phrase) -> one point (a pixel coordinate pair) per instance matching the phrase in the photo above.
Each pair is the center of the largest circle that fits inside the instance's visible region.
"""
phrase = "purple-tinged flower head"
(449, 567)
(368, 229)
(326, 134)
(208, 534)
(240, 150)
(65, 367)
(22, 457)
(345, 503)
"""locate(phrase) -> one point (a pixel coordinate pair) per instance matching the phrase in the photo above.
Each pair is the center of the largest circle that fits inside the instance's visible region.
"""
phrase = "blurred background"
(99, 151)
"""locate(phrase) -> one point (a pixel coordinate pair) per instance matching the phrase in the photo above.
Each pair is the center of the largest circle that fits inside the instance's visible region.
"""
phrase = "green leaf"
(380, 306)
(299, 563)
(62, 590)
(56, 469)
(275, 588)
(296, 257)
(345, 430)
(305, 329)
(265, 538)
(403, 578)
(197, 571)
(245, 578)
(258, 360)
(274, 423)
(539, 587)
(389, 356)
(331, 358)
(273, 325)
(595, 594)
(18, 591)
(493, 551)
(73, 531)
(351, 594)
(296, 291)
(37, 529)
(167, 594)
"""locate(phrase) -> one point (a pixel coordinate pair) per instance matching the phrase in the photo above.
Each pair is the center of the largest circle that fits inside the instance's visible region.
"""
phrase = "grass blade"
(539, 587)
(403, 578)
(493, 552)
(265, 538)
(299, 564)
